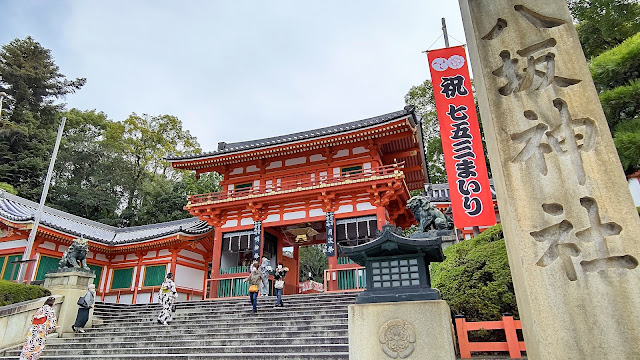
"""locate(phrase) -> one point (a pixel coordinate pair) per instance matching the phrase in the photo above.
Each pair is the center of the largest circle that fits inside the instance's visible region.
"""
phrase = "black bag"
(82, 302)
(173, 308)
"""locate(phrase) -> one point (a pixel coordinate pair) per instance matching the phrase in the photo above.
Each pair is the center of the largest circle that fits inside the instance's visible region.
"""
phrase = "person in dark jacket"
(83, 310)
(279, 275)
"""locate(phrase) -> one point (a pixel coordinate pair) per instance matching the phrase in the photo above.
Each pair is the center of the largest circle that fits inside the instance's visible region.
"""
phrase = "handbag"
(253, 288)
(279, 284)
(82, 302)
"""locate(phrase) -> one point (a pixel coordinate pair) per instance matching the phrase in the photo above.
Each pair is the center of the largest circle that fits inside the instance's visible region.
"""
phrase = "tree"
(89, 176)
(604, 24)
(421, 96)
(475, 278)
(144, 141)
(312, 260)
(33, 83)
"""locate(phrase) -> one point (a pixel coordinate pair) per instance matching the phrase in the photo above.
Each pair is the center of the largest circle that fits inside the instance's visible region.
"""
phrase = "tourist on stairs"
(255, 281)
(167, 298)
(85, 304)
(281, 271)
(44, 322)
(265, 269)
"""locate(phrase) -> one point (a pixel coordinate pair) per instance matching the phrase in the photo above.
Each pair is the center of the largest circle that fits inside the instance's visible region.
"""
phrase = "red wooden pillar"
(381, 216)
(215, 261)
(137, 279)
(174, 260)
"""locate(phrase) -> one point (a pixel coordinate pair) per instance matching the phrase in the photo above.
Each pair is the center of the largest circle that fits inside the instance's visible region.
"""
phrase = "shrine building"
(334, 185)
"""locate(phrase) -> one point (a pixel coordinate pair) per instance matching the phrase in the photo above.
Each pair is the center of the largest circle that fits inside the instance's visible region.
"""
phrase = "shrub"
(475, 278)
(616, 67)
(627, 140)
(8, 188)
(622, 103)
(11, 293)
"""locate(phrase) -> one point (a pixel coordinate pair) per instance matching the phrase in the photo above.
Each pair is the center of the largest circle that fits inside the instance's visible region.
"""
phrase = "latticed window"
(395, 273)
(356, 231)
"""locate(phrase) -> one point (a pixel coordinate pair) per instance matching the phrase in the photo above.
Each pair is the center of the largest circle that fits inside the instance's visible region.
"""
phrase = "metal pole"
(43, 197)
(444, 31)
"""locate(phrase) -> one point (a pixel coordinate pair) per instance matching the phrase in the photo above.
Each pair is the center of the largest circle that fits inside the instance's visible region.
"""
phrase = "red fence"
(512, 345)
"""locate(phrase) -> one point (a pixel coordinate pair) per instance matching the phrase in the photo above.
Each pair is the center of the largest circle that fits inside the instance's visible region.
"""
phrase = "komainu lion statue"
(427, 215)
(76, 256)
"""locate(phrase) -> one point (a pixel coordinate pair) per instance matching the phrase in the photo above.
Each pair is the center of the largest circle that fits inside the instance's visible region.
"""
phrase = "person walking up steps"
(85, 304)
(255, 281)
(265, 269)
(44, 322)
(167, 298)
(281, 272)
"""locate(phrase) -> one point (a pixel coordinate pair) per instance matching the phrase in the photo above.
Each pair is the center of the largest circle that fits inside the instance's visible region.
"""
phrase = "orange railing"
(508, 324)
(299, 182)
(345, 278)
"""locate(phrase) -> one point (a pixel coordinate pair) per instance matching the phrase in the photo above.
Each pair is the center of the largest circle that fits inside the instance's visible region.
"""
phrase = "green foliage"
(638, 208)
(604, 24)
(475, 278)
(11, 293)
(312, 259)
(8, 188)
(621, 103)
(32, 82)
(618, 66)
(627, 141)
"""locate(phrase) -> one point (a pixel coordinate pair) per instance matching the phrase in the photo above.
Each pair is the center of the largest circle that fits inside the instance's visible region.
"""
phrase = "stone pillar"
(72, 285)
(570, 225)
(413, 330)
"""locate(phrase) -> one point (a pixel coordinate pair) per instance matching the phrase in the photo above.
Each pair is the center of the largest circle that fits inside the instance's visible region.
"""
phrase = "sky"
(238, 70)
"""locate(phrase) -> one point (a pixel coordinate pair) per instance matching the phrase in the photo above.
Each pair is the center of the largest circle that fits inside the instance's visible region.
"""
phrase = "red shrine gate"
(335, 185)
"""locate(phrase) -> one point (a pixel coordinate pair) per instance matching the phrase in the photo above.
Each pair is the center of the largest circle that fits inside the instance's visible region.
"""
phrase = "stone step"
(171, 336)
(273, 349)
(265, 307)
(199, 331)
(204, 356)
(239, 316)
(190, 342)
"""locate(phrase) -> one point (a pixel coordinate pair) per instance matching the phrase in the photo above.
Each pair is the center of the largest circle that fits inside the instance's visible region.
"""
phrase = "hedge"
(626, 137)
(622, 103)
(475, 278)
(11, 293)
(616, 67)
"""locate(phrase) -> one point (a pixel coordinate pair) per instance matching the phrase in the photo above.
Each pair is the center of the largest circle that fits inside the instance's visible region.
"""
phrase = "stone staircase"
(309, 327)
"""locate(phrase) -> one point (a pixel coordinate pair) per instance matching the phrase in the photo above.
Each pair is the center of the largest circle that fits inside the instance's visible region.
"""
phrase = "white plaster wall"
(295, 161)
(634, 186)
(341, 153)
(63, 248)
(252, 168)
(102, 257)
(12, 244)
(126, 298)
(191, 254)
(141, 280)
(256, 184)
(294, 215)
(189, 277)
(230, 223)
(336, 171)
(364, 206)
(201, 247)
(271, 218)
(164, 252)
(317, 157)
(151, 254)
(110, 298)
(143, 298)
(132, 257)
(118, 258)
(48, 245)
(274, 165)
(237, 171)
(193, 262)
(246, 221)
(344, 209)
(316, 212)
(89, 255)
(359, 150)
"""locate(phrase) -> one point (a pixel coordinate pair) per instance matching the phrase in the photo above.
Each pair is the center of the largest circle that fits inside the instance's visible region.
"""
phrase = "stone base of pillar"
(72, 285)
(414, 330)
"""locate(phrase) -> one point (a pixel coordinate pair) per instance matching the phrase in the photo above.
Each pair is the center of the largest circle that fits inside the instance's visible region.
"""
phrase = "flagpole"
(43, 198)
(444, 32)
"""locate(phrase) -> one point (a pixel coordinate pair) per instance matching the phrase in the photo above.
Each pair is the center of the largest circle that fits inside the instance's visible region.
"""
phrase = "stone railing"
(15, 320)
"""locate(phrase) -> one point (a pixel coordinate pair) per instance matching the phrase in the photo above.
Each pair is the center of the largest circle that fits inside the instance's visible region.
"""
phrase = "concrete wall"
(15, 320)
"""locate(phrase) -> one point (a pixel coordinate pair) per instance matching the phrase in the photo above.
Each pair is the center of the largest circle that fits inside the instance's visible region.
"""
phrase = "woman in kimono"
(265, 269)
(83, 310)
(167, 298)
(44, 322)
